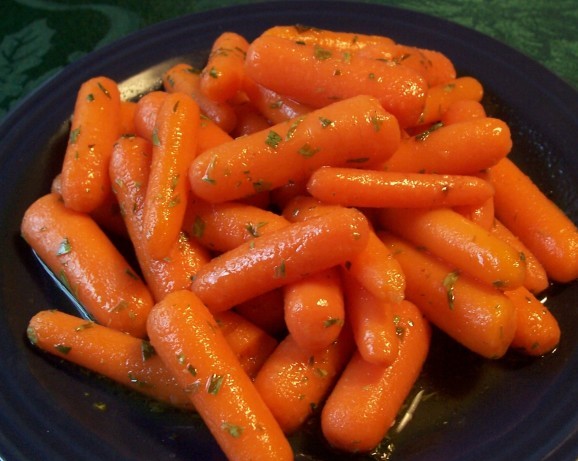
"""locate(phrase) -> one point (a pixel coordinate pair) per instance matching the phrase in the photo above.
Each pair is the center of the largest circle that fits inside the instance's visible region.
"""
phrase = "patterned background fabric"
(40, 37)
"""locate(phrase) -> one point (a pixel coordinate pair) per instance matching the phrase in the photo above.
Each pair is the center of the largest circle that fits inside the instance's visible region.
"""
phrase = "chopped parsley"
(449, 284)
(273, 139)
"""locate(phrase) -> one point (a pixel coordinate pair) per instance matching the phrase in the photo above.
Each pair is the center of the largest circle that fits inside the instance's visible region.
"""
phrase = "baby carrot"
(294, 382)
(280, 258)
(461, 148)
(465, 245)
(223, 74)
(265, 311)
(89, 265)
(368, 396)
(372, 323)
(537, 330)
(184, 78)
(441, 96)
(193, 348)
(174, 147)
(123, 358)
(252, 346)
(224, 226)
(147, 110)
(94, 129)
(317, 76)
(536, 279)
(128, 111)
(435, 67)
(314, 309)
(382, 189)
(354, 131)
(374, 266)
(249, 119)
(210, 135)
(476, 315)
(462, 110)
(537, 221)
(129, 172)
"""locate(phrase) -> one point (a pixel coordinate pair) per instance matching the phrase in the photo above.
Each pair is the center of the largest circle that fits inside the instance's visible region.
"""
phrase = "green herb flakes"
(273, 139)
(233, 429)
(64, 247)
(449, 285)
(214, 383)
(63, 349)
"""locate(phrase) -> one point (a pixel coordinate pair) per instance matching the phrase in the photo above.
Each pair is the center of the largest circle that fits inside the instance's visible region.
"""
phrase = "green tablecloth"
(40, 37)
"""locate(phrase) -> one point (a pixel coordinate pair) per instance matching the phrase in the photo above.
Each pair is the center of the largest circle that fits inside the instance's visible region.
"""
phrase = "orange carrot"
(283, 195)
(294, 382)
(461, 148)
(355, 131)
(476, 315)
(536, 279)
(79, 253)
(123, 358)
(265, 311)
(372, 323)
(374, 267)
(224, 226)
(249, 120)
(440, 97)
(462, 110)
(537, 221)
(317, 76)
(252, 346)
(184, 78)
(129, 172)
(193, 348)
(223, 74)
(210, 135)
(381, 189)
(146, 113)
(537, 330)
(435, 67)
(128, 111)
(280, 258)
(314, 309)
(94, 129)
(174, 147)
(468, 247)
(482, 214)
(367, 397)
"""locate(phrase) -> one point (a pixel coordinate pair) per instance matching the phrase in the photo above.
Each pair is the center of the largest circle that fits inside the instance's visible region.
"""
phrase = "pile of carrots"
(302, 209)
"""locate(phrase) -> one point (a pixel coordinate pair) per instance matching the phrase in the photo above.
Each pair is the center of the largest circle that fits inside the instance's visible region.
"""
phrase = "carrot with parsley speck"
(476, 315)
(146, 113)
(435, 67)
(185, 78)
(280, 258)
(367, 397)
(84, 259)
(317, 76)
(174, 145)
(387, 189)
(193, 348)
(462, 110)
(223, 74)
(123, 358)
(355, 131)
(294, 381)
(95, 126)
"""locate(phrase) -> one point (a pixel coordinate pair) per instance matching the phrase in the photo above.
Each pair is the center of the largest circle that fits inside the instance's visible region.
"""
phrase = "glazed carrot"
(249, 120)
(210, 135)
(184, 78)
(435, 67)
(367, 397)
(537, 330)
(123, 358)
(537, 221)
(252, 346)
(372, 323)
(79, 253)
(461, 148)
(374, 267)
(224, 226)
(482, 214)
(129, 172)
(193, 348)
(478, 316)
(317, 76)
(280, 258)
(440, 97)
(536, 279)
(274, 107)
(383, 189)
(94, 129)
(145, 117)
(223, 74)
(314, 309)
(294, 382)
(462, 110)
(282, 196)
(355, 131)
(128, 111)
(174, 147)
(266, 311)
(469, 248)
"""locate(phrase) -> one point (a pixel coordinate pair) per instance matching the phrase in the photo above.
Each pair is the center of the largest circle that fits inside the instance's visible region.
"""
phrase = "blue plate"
(513, 409)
